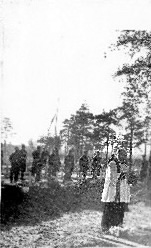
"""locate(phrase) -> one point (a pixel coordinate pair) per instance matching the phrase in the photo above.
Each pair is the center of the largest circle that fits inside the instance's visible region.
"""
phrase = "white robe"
(109, 191)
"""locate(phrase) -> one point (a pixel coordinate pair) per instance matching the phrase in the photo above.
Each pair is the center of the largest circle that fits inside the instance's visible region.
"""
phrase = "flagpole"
(56, 119)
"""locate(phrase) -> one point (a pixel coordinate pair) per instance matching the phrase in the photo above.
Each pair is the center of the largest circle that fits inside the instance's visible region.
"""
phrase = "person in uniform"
(2, 155)
(44, 156)
(96, 165)
(54, 163)
(15, 165)
(37, 163)
(69, 165)
(116, 192)
(84, 164)
(23, 157)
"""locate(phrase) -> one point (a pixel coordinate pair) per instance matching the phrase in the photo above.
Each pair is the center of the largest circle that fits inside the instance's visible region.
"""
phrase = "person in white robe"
(116, 192)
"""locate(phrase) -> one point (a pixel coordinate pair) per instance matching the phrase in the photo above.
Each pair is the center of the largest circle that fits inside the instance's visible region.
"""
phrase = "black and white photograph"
(75, 79)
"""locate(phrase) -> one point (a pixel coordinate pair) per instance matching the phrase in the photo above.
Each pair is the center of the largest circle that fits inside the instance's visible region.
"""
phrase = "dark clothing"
(116, 194)
(15, 158)
(37, 164)
(54, 164)
(84, 165)
(2, 156)
(143, 172)
(23, 157)
(113, 215)
(36, 155)
(15, 166)
(69, 166)
(44, 157)
(14, 174)
(96, 166)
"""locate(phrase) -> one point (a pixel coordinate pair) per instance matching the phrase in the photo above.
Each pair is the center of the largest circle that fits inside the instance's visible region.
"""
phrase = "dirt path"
(71, 217)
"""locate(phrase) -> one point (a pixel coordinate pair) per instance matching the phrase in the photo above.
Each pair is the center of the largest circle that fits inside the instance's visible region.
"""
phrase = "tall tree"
(6, 128)
(84, 124)
(105, 124)
(50, 142)
(6, 133)
(77, 130)
(137, 94)
(64, 134)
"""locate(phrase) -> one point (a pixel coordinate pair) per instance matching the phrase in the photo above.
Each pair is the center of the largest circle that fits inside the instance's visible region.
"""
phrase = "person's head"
(112, 164)
(16, 149)
(23, 147)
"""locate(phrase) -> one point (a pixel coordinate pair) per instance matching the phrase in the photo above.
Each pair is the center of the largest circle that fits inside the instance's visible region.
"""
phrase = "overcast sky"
(55, 50)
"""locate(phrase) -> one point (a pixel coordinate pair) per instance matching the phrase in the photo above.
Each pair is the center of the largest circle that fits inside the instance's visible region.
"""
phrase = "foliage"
(77, 131)
(139, 72)
(136, 107)
(50, 142)
(86, 131)
(104, 126)
(6, 128)
(49, 215)
(134, 40)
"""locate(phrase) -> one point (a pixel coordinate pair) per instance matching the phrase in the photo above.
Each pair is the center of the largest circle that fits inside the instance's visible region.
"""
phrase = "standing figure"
(15, 165)
(84, 164)
(37, 163)
(2, 155)
(116, 192)
(96, 165)
(44, 156)
(23, 157)
(69, 165)
(54, 163)
(144, 169)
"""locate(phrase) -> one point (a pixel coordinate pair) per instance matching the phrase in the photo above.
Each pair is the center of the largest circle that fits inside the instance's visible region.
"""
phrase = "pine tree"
(104, 128)
(77, 131)
(137, 95)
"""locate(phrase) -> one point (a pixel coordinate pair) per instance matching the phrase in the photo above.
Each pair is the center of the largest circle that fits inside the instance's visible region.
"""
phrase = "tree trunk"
(145, 147)
(107, 143)
(131, 147)
(67, 141)
(149, 173)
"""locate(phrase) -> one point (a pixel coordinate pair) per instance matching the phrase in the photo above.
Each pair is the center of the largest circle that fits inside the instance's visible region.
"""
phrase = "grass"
(70, 216)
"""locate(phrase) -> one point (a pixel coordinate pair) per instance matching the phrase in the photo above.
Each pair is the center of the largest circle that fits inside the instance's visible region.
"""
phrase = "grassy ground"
(70, 216)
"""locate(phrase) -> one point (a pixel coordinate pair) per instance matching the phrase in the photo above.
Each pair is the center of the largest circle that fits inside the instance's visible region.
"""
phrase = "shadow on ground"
(68, 215)
(42, 204)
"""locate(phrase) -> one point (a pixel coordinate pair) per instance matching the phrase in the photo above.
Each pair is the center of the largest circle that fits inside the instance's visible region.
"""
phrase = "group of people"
(40, 158)
(116, 191)
(94, 164)
(18, 163)
(85, 164)
(52, 163)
